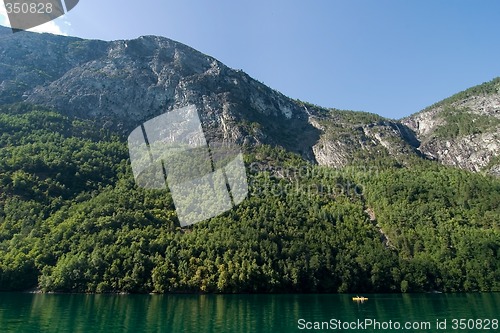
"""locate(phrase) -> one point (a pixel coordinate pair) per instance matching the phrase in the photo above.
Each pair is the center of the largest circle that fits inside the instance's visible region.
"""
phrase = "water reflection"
(226, 313)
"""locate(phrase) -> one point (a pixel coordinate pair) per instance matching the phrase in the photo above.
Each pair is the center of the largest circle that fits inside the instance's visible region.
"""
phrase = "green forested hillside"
(72, 219)
(463, 122)
(486, 88)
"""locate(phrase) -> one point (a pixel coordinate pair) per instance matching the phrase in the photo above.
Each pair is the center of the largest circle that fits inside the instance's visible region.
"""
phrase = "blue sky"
(391, 57)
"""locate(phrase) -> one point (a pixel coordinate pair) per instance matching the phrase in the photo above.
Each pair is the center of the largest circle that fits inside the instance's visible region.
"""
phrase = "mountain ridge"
(377, 214)
(462, 130)
(126, 82)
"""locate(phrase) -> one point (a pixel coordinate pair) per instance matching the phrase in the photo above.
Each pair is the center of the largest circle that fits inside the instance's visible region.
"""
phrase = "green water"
(21, 312)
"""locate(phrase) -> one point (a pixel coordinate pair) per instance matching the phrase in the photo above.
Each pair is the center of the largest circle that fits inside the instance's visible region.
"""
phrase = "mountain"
(124, 83)
(462, 130)
(339, 201)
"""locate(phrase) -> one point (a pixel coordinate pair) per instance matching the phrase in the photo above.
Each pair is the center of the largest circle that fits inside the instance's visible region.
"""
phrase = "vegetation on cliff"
(72, 219)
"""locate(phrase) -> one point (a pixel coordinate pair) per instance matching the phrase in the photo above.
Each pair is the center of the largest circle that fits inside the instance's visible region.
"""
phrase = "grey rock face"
(124, 83)
(348, 137)
(475, 150)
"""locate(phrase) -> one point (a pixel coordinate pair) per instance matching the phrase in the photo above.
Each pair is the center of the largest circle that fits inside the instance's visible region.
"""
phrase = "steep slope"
(73, 219)
(463, 130)
(29, 60)
(124, 83)
(350, 138)
(121, 84)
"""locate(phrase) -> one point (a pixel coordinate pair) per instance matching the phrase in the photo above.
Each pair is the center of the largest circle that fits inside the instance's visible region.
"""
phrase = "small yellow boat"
(359, 299)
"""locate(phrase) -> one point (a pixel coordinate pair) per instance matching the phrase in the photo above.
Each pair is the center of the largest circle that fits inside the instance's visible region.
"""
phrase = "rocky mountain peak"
(464, 129)
(127, 82)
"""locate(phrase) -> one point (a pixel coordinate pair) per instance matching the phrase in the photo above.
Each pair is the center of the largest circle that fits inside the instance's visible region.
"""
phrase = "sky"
(390, 57)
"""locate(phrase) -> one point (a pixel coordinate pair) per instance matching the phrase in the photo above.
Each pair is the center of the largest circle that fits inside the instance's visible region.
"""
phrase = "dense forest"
(73, 220)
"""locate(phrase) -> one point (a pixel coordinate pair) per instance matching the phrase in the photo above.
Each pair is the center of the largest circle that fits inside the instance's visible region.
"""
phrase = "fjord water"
(23, 312)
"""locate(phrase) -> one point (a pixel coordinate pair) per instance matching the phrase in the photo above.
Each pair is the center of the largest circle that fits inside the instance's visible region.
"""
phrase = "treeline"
(486, 88)
(72, 219)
